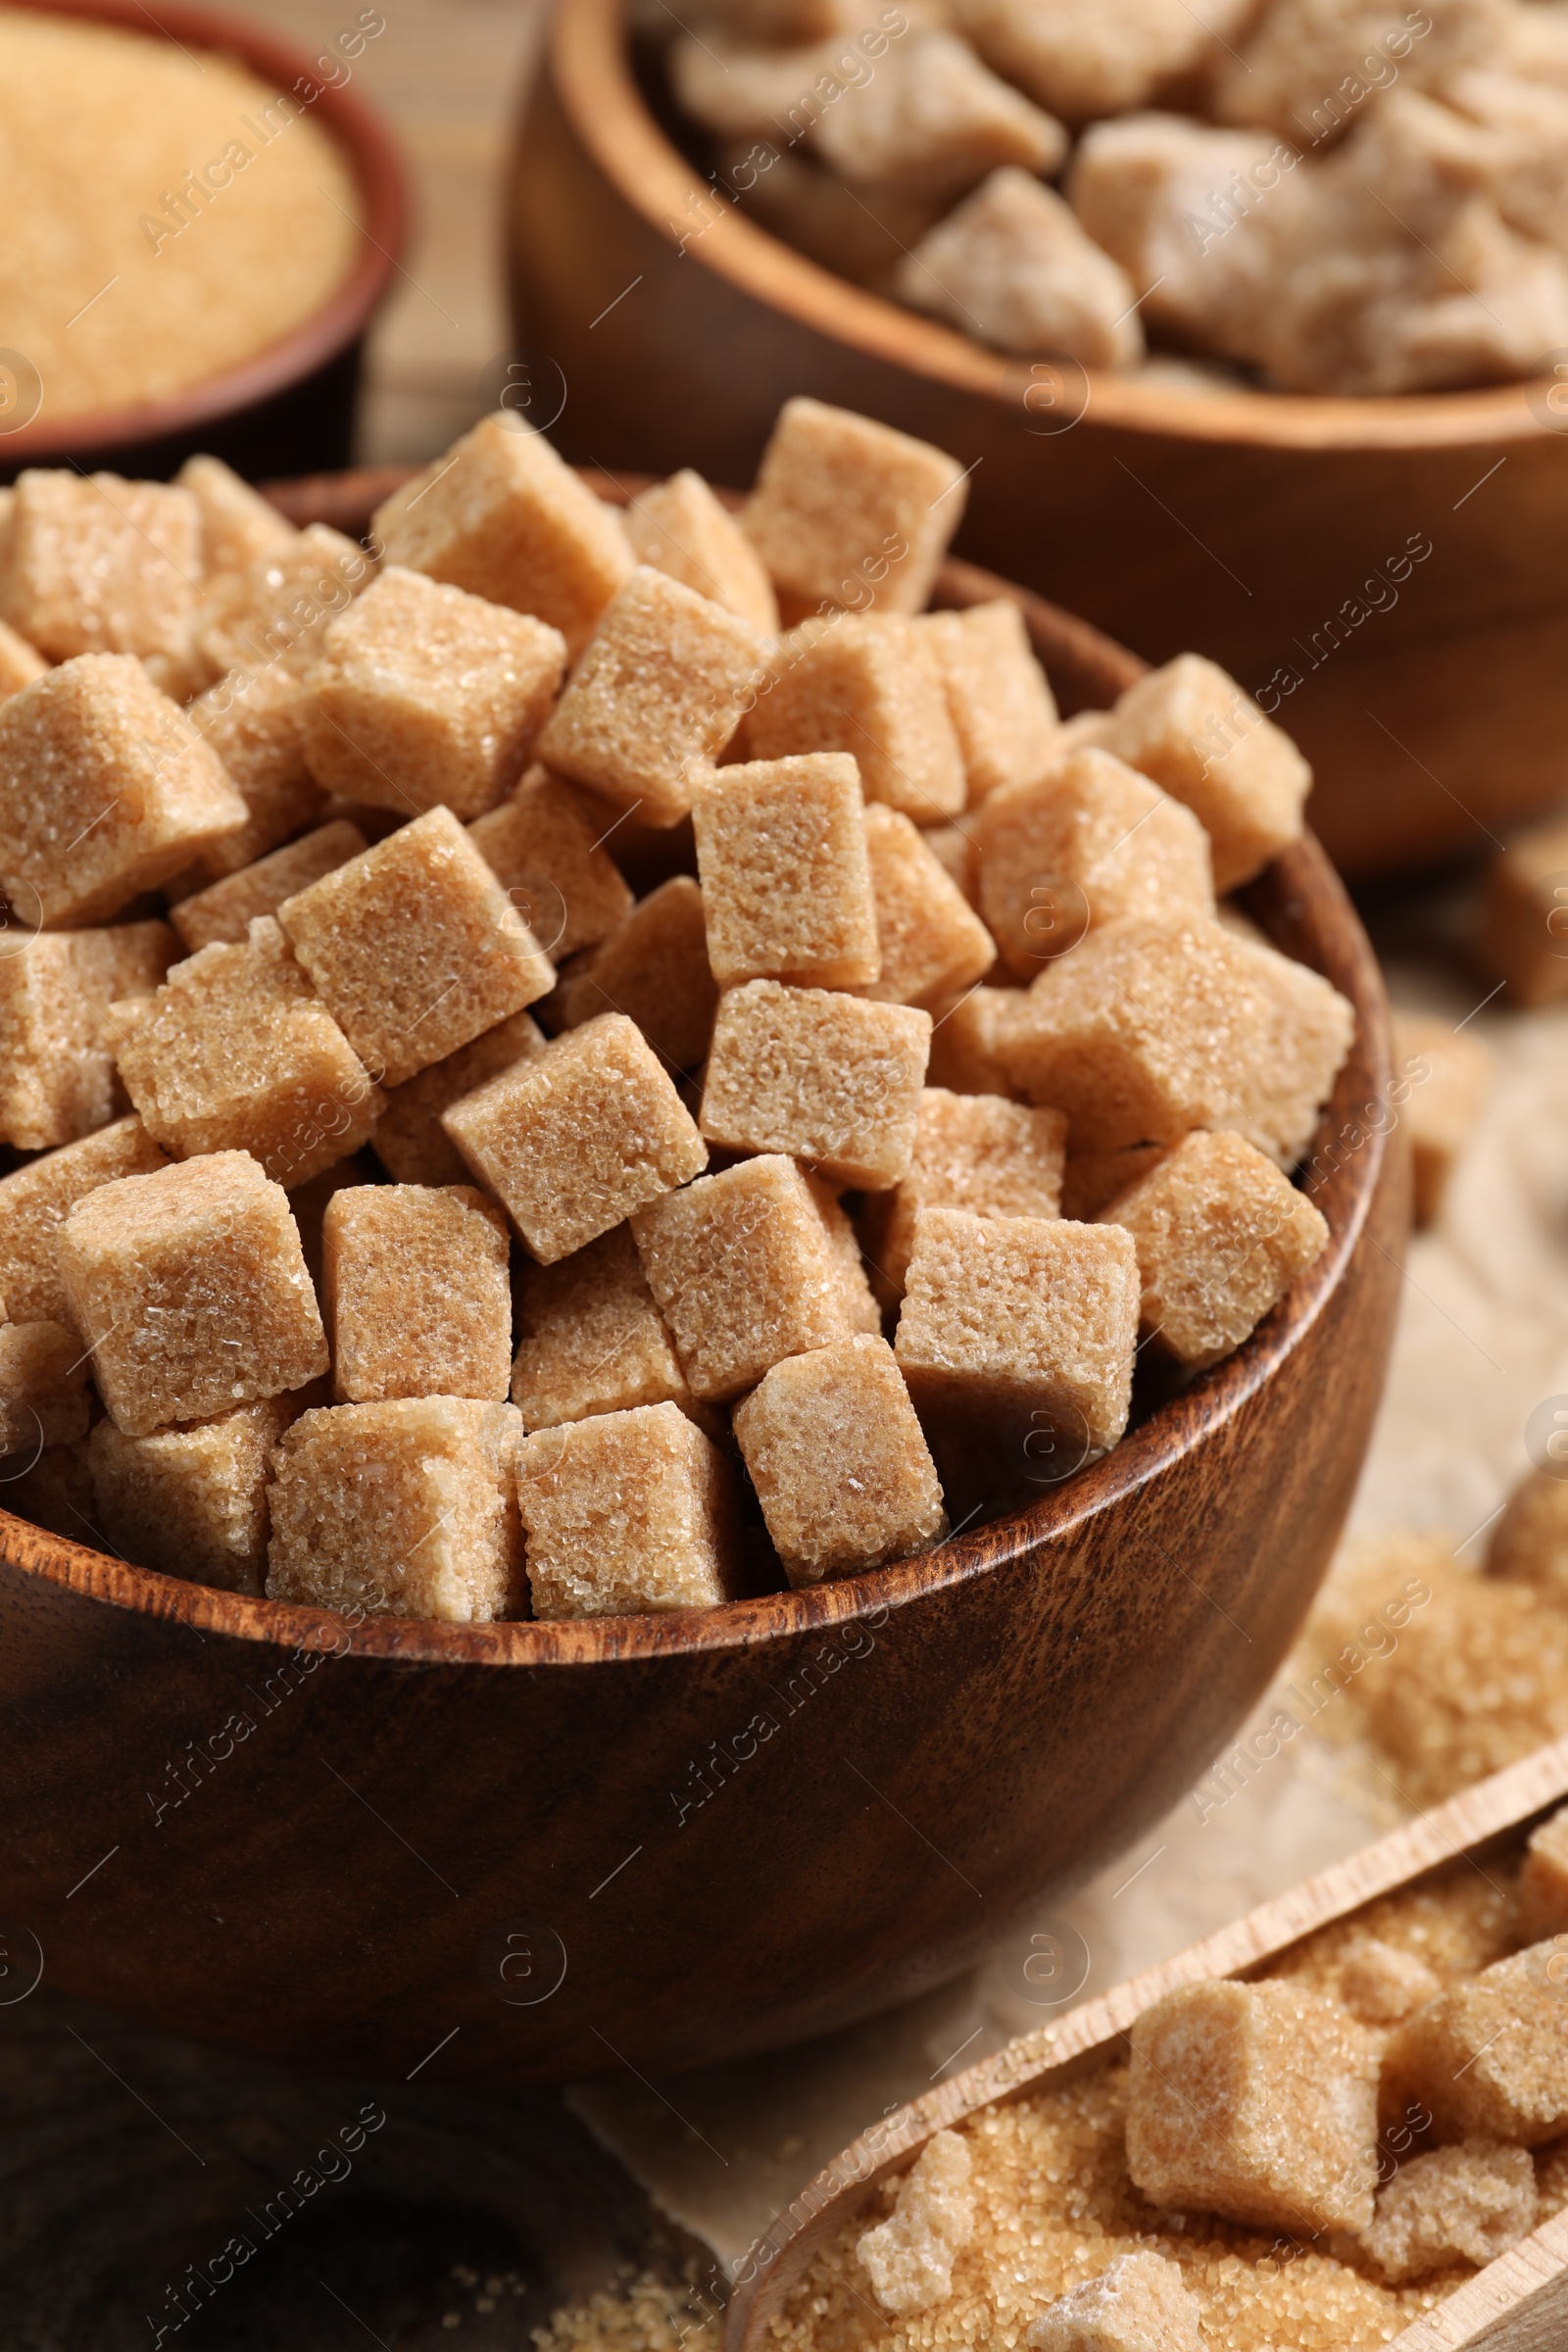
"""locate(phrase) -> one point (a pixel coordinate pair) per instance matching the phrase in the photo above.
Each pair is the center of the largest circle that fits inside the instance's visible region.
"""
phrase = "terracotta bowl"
(545, 1851)
(1252, 526)
(290, 405)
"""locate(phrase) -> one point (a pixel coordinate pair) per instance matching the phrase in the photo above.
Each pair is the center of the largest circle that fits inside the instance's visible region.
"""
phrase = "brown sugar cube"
(1544, 1882)
(35, 1200)
(402, 1509)
(43, 1387)
(1489, 2058)
(933, 945)
(1258, 2102)
(1013, 266)
(1530, 1541)
(1139, 2304)
(410, 1139)
(968, 1039)
(781, 851)
(1465, 2204)
(626, 1513)
(256, 725)
(416, 947)
(222, 914)
(932, 121)
(979, 1152)
(843, 505)
(1001, 704)
(910, 2256)
(1091, 842)
(653, 968)
(415, 1292)
(843, 1473)
(94, 565)
(1148, 1029)
(572, 1139)
(1380, 1982)
(105, 790)
(545, 851)
(57, 1039)
(20, 662)
(426, 697)
(1220, 1235)
(503, 517)
(827, 1078)
(191, 1286)
(236, 1053)
(746, 1271)
(867, 687)
(193, 1502)
(1449, 1077)
(276, 612)
(1205, 742)
(238, 525)
(655, 697)
(592, 1338)
(678, 526)
(1092, 1180)
(1521, 932)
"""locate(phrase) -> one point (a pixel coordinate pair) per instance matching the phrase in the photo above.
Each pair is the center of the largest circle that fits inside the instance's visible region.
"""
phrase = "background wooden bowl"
(545, 1851)
(290, 407)
(1242, 523)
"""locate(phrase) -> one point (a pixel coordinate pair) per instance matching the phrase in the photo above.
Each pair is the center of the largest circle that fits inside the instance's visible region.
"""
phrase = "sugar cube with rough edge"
(274, 614)
(192, 1289)
(592, 1340)
(932, 121)
(846, 510)
(36, 1199)
(1290, 70)
(105, 790)
(193, 1502)
(237, 524)
(222, 914)
(1488, 2057)
(1544, 1882)
(20, 662)
(502, 516)
(653, 968)
(417, 1293)
(410, 1139)
(95, 564)
(1148, 1029)
(844, 1247)
(781, 852)
(679, 526)
(43, 1387)
(1258, 2102)
(236, 1053)
(1465, 2204)
(933, 945)
(1521, 929)
(572, 1139)
(999, 698)
(841, 1467)
(980, 1153)
(745, 1271)
(57, 1035)
(1220, 1236)
(865, 685)
(1083, 60)
(1205, 741)
(1448, 1076)
(1091, 842)
(1139, 2304)
(425, 697)
(407, 1509)
(910, 2256)
(968, 1039)
(827, 1078)
(1382, 1983)
(1012, 265)
(545, 851)
(655, 697)
(415, 946)
(1092, 1180)
(629, 1512)
(257, 727)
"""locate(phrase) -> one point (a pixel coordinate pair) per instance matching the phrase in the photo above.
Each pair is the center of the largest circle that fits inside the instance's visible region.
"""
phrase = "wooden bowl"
(1518, 2303)
(1244, 524)
(549, 1851)
(289, 406)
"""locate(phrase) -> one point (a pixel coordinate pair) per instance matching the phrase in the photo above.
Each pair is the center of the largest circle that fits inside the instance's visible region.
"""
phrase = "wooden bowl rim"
(588, 60)
(295, 357)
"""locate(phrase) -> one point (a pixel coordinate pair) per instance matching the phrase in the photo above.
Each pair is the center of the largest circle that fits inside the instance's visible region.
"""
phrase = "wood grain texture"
(1529, 2285)
(1239, 522)
(323, 1838)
